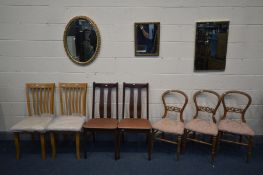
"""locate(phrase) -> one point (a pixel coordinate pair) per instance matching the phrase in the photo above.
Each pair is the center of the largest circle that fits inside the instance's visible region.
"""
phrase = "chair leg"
(17, 144)
(116, 145)
(150, 145)
(53, 145)
(179, 140)
(93, 137)
(250, 145)
(214, 142)
(78, 145)
(43, 145)
(184, 141)
(33, 137)
(85, 142)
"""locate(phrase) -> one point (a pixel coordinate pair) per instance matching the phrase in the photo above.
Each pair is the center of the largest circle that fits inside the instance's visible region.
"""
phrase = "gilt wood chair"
(201, 123)
(168, 125)
(72, 113)
(233, 126)
(40, 107)
(104, 122)
(136, 122)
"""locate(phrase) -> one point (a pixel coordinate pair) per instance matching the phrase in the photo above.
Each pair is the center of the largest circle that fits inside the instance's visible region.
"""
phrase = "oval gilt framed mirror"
(81, 40)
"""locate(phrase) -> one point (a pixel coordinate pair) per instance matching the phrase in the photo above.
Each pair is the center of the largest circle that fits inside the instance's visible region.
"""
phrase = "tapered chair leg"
(17, 144)
(149, 145)
(214, 142)
(250, 145)
(43, 146)
(78, 145)
(179, 140)
(53, 145)
(184, 141)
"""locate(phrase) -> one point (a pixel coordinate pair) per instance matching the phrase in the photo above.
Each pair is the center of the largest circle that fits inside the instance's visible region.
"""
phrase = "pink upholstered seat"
(235, 127)
(202, 126)
(169, 126)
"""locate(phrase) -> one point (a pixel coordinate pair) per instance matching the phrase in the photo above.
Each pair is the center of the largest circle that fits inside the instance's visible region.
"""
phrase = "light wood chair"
(230, 125)
(40, 107)
(206, 105)
(104, 122)
(72, 114)
(168, 125)
(136, 122)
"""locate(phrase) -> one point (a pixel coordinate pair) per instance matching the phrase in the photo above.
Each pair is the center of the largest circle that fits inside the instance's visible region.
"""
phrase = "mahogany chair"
(72, 114)
(231, 125)
(204, 122)
(136, 122)
(168, 125)
(40, 107)
(104, 122)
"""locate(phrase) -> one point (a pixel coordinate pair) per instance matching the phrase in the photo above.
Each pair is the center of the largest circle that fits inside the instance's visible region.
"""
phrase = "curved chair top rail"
(73, 98)
(101, 87)
(206, 108)
(174, 108)
(139, 87)
(40, 98)
(241, 111)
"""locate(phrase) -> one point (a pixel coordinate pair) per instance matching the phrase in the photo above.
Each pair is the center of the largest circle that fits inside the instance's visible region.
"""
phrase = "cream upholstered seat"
(33, 123)
(40, 107)
(236, 102)
(167, 124)
(204, 122)
(73, 112)
(202, 126)
(67, 123)
(236, 127)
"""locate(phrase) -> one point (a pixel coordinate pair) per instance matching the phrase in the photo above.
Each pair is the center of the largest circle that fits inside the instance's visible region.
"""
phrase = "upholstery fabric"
(101, 123)
(202, 126)
(236, 127)
(170, 126)
(134, 123)
(33, 123)
(66, 123)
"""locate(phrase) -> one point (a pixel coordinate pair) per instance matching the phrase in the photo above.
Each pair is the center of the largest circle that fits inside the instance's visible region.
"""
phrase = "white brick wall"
(31, 49)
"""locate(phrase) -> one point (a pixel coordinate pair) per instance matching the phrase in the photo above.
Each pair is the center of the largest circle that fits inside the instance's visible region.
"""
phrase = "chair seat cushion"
(66, 123)
(101, 123)
(32, 123)
(202, 126)
(134, 123)
(169, 126)
(235, 127)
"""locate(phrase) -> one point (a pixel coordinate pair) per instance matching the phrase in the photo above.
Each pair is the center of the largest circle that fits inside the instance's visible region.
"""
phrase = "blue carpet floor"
(196, 160)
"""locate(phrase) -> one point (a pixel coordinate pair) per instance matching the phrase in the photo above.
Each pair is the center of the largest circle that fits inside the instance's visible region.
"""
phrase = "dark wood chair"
(103, 123)
(204, 122)
(136, 122)
(230, 125)
(168, 125)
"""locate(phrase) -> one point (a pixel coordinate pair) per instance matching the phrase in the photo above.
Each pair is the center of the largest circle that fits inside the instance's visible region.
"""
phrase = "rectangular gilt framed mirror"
(211, 45)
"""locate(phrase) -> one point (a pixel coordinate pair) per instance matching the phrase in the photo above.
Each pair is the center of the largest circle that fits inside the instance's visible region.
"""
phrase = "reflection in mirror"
(211, 45)
(82, 40)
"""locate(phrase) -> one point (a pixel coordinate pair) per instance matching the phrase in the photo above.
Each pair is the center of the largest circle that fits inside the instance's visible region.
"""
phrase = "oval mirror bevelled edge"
(81, 40)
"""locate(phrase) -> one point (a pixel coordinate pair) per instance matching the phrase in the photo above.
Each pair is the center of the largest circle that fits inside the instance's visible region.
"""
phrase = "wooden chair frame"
(73, 94)
(132, 87)
(102, 87)
(42, 96)
(249, 139)
(159, 135)
(214, 139)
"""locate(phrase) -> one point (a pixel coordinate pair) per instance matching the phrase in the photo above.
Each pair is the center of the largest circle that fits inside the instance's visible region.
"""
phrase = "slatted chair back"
(227, 96)
(106, 91)
(139, 88)
(73, 98)
(207, 108)
(40, 98)
(174, 108)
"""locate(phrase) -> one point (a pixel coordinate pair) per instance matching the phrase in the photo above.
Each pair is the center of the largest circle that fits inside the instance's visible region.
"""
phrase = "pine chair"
(136, 122)
(102, 122)
(72, 113)
(233, 126)
(168, 125)
(40, 107)
(206, 104)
